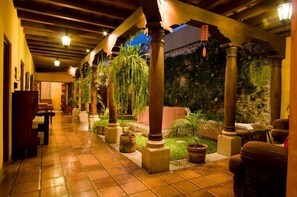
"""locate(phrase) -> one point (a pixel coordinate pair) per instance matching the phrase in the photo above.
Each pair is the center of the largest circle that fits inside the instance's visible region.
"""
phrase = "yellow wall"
(56, 95)
(286, 80)
(11, 29)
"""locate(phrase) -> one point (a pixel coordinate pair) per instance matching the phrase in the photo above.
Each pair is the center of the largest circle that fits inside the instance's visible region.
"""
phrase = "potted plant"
(196, 150)
(85, 95)
(130, 75)
(127, 141)
(99, 125)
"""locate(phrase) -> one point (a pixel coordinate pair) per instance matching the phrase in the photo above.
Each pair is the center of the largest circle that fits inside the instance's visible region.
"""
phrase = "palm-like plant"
(130, 75)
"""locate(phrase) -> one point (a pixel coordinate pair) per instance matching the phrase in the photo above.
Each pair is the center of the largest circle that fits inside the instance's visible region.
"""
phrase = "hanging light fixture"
(66, 40)
(284, 11)
(204, 38)
(57, 62)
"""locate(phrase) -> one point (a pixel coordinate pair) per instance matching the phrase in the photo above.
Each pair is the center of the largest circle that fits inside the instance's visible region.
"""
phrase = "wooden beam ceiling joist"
(54, 55)
(47, 30)
(89, 8)
(48, 20)
(260, 8)
(70, 15)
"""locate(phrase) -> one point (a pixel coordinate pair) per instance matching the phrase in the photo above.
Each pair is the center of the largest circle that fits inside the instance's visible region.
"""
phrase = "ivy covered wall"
(198, 83)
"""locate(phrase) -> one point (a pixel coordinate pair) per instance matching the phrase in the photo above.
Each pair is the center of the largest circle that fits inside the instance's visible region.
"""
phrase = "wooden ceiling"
(46, 21)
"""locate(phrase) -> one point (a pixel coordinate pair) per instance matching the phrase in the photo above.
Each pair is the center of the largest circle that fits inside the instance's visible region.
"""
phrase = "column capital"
(232, 51)
(157, 34)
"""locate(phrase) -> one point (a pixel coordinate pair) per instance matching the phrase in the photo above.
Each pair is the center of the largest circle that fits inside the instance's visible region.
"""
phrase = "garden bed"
(177, 145)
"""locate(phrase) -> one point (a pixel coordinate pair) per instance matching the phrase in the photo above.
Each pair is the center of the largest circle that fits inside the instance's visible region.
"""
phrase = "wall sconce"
(284, 12)
(57, 62)
(66, 40)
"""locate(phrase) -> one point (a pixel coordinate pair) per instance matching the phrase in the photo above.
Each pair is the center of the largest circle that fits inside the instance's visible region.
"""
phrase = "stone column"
(155, 156)
(113, 130)
(93, 113)
(228, 142)
(275, 88)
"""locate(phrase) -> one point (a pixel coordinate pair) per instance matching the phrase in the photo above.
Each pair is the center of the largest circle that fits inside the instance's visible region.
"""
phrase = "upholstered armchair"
(259, 170)
(280, 130)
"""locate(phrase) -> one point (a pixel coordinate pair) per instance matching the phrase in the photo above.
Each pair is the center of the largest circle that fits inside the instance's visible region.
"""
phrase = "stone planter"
(127, 143)
(197, 153)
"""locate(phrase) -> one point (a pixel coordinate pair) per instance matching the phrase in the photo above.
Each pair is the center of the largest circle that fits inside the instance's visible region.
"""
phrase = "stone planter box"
(169, 115)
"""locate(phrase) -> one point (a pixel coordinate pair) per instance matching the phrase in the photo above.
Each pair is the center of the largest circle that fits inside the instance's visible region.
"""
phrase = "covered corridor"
(77, 162)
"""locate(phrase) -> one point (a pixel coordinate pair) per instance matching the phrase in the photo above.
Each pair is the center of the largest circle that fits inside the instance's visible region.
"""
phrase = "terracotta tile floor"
(79, 163)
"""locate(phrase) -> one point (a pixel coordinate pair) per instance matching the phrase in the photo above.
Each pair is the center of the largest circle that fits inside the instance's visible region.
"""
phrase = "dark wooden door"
(6, 100)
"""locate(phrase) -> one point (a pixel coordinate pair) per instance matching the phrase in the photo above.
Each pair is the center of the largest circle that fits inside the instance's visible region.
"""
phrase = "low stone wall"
(169, 115)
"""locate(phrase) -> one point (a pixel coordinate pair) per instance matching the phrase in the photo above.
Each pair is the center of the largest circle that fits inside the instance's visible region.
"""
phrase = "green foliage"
(86, 87)
(177, 145)
(77, 84)
(189, 126)
(102, 72)
(198, 83)
(130, 75)
(181, 127)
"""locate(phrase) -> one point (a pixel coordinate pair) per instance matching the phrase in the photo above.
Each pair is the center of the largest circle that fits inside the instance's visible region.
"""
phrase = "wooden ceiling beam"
(137, 19)
(238, 32)
(89, 7)
(52, 54)
(55, 45)
(264, 18)
(58, 31)
(233, 6)
(258, 9)
(82, 42)
(48, 20)
(57, 52)
(123, 4)
(43, 9)
(58, 49)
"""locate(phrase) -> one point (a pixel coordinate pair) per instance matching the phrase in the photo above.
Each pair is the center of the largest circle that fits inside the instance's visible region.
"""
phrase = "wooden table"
(45, 126)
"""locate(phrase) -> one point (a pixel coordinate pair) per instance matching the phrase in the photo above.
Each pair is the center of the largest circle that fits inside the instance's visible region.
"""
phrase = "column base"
(155, 157)
(229, 145)
(75, 114)
(92, 119)
(113, 132)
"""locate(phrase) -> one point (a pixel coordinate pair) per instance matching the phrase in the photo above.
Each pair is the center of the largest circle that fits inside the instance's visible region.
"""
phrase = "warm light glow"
(284, 11)
(88, 50)
(57, 62)
(105, 33)
(66, 40)
(72, 71)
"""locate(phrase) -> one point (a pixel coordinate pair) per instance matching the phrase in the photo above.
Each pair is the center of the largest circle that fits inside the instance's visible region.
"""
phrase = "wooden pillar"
(113, 130)
(155, 156)
(156, 85)
(110, 100)
(230, 90)
(275, 89)
(93, 113)
(93, 91)
(229, 143)
(292, 151)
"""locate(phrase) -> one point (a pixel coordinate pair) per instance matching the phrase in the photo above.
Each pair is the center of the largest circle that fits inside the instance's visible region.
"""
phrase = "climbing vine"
(198, 83)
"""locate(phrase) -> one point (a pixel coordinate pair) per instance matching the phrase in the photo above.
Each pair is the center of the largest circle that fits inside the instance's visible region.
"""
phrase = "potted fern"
(130, 74)
(196, 150)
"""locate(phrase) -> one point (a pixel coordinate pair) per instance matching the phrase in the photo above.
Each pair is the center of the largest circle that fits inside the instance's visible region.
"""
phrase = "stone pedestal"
(113, 132)
(155, 157)
(92, 119)
(229, 145)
